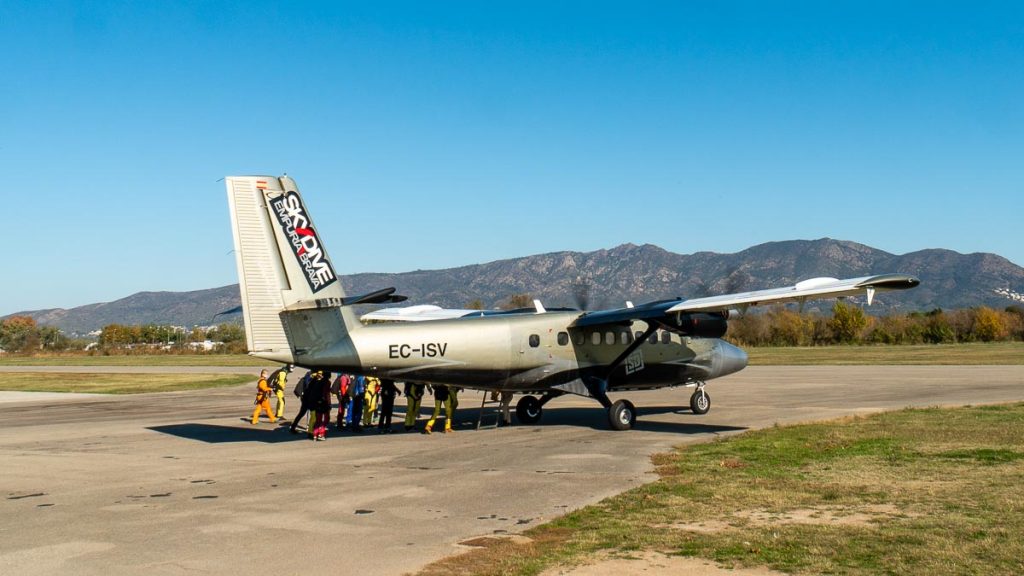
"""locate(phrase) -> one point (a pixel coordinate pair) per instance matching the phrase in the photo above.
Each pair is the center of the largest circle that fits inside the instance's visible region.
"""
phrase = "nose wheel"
(700, 402)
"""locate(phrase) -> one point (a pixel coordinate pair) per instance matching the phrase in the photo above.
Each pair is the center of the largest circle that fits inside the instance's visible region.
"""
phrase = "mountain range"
(607, 278)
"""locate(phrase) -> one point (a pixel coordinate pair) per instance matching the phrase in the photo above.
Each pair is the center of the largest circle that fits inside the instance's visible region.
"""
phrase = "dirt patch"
(863, 516)
(492, 541)
(656, 564)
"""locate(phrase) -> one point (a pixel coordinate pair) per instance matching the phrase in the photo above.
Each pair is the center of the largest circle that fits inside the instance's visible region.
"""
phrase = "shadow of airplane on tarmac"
(597, 419)
(580, 417)
(217, 434)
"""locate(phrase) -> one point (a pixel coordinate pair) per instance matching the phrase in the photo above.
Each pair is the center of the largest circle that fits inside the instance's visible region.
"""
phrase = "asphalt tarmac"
(181, 483)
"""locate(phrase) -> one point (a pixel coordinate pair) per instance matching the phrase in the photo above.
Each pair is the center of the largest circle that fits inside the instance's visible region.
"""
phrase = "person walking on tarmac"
(356, 391)
(370, 399)
(320, 402)
(262, 399)
(388, 391)
(278, 379)
(413, 399)
(340, 390)
(442, 397)
(302, 390)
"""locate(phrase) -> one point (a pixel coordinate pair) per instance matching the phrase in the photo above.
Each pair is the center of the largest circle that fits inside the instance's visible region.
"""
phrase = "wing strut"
(598, 386)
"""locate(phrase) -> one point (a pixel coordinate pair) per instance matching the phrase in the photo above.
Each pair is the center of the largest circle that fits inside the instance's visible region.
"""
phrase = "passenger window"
(596, 338)
(563, 338)
(653, 339)
(666, 337)
(609, 338)
(639, 335)
(625, 337)
(579, 338)
(534, 340)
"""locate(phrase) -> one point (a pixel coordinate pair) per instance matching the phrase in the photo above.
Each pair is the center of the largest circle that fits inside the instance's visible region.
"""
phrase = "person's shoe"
(448, 430)
(427, 431)
(293, 431)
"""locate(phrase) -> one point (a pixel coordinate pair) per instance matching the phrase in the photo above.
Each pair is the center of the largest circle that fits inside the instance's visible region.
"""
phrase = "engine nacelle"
(702, 325)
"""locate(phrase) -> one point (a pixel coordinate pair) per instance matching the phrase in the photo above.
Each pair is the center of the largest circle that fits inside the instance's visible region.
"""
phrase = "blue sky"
(430, 135)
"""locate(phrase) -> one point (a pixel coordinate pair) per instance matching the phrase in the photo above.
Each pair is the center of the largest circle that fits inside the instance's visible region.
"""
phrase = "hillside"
(628, 272)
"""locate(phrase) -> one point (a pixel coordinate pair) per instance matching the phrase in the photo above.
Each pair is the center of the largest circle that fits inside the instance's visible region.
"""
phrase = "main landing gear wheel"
(700, 402)
(622, 415)
(528, 410)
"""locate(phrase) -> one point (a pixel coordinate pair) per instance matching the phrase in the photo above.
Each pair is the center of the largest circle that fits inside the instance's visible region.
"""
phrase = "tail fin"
(282, 264)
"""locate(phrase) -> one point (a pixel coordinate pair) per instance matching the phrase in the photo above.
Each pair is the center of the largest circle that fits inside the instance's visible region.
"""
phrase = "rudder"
(281, 261)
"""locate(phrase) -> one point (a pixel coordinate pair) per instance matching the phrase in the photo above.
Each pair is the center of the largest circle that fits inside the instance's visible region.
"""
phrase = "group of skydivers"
(361, 400)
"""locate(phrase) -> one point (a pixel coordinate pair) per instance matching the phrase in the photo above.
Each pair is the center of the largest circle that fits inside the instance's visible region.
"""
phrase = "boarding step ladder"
(490, 405)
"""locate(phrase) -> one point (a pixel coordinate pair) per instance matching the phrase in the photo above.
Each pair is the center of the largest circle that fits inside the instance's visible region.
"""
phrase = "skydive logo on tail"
(306, 245)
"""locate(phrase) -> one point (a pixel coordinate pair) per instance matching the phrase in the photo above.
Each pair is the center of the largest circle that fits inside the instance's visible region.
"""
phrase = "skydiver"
(504, 399)
(320, 402)
(302, 391)
(262, 399)
(278, 379)
(388, 391)
(442, 398)
(340, 390)
(356, 391)
(413, 399)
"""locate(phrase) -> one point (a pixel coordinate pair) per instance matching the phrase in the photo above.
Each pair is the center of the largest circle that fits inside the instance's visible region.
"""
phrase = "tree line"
(848, 324)
(21, 334)
(779, 326)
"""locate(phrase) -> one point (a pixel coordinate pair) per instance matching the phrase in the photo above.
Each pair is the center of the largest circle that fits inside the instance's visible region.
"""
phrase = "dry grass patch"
(115, 383)
(910, 492)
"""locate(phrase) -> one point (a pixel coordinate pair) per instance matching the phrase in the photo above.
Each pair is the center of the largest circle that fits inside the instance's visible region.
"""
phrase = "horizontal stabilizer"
(383, 296)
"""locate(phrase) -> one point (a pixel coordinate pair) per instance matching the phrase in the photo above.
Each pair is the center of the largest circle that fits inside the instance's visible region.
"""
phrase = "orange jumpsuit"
(263, 392)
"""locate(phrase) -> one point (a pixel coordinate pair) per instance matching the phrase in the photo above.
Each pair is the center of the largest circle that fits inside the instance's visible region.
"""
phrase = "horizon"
(428, 136)
(218, 287)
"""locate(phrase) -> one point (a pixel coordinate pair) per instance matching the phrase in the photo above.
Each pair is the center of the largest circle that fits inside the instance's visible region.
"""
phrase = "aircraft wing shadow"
(218, 434)
(596, 419)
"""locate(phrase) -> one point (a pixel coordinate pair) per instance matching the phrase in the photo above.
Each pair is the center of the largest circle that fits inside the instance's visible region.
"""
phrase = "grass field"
(1003, 353)
(134, 360)
(116, 383)
(923, 491)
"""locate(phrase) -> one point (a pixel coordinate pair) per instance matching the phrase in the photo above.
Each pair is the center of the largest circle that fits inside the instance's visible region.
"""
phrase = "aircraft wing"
(807, 290)
(812, 289)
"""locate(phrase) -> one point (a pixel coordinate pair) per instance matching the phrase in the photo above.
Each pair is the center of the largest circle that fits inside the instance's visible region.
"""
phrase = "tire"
(528, 410)
(700, 402)
(622, 415)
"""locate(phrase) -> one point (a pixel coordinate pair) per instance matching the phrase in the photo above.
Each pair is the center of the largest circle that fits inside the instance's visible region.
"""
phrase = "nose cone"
(727, 359)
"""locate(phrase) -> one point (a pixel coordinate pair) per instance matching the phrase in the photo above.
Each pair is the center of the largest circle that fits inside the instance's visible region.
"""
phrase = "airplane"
(295, 311)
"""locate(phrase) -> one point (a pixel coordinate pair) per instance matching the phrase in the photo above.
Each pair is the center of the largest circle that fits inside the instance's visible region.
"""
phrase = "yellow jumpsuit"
(412, 403)
(262, 402)
(282, 377)
(449, 404)
(370, 399)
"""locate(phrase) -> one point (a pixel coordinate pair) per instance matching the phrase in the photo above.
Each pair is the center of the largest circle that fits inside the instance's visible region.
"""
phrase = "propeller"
(736, 281)
(581, 292)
